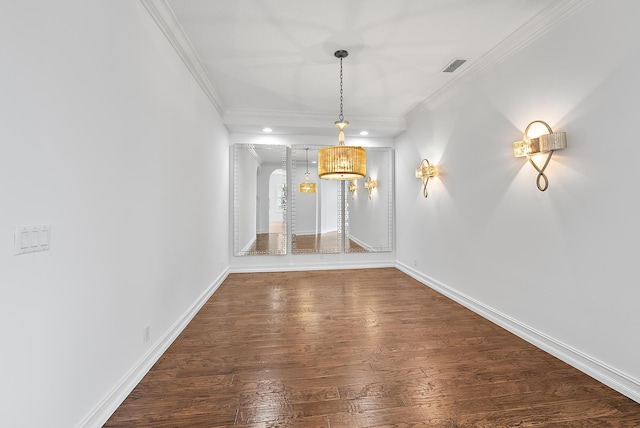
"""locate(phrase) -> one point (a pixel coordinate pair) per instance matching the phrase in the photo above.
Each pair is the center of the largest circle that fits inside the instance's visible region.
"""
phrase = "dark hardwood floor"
(358, 348)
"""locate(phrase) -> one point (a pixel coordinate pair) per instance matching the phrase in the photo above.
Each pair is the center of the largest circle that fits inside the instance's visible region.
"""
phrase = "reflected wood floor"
(358, 348)
(269, 243)
(325, 242)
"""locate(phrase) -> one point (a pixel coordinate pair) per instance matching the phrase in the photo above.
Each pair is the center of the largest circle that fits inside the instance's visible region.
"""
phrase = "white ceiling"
(271, 63)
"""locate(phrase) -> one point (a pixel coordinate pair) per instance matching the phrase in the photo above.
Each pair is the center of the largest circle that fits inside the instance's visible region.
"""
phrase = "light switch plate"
(31, 239)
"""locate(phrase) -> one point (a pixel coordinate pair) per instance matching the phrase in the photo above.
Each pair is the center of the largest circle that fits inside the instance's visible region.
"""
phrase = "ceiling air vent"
(454, 65)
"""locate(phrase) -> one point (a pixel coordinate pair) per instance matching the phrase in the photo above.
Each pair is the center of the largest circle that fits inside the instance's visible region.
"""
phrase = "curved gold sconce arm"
(541, 174)
(547, 143)
(425, 172)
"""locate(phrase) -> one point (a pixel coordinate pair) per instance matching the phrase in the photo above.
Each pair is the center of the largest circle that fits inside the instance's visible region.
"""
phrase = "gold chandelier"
(307, 187)
(342, 162)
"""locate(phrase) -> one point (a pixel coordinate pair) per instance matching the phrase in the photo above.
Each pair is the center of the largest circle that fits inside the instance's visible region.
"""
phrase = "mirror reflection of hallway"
(315, 223)
(334, 219)
(260, 200)
(369, 219)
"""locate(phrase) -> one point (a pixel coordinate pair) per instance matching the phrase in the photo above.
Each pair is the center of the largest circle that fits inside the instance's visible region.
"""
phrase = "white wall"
(106, 137)
(561, 263)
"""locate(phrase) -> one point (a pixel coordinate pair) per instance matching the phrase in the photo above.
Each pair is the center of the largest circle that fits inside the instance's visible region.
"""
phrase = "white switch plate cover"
(31, 239)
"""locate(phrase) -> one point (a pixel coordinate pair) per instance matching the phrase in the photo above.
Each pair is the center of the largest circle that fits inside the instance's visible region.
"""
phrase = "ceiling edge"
(166, 20)
(523, 36)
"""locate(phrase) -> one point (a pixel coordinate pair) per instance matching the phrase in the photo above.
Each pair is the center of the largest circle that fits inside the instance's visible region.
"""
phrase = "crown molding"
(291, 122)
(516, 41)
(166, 20)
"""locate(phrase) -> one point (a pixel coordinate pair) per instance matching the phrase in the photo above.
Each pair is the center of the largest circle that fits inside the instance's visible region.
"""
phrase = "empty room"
(365, 213)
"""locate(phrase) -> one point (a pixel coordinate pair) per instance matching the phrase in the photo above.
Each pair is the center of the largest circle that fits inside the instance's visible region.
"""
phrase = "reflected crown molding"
(247, 121)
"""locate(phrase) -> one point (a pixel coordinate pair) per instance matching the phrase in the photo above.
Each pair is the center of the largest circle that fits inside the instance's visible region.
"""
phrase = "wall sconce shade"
(547, 143)
(370, 184)
(425, 172)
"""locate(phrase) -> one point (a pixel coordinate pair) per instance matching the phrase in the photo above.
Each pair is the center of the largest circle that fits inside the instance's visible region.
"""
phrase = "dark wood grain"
(358, 348)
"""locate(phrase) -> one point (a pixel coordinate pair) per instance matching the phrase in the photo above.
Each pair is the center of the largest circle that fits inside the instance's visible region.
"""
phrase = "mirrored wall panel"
(316, 223)
(259, 199)
(369, 205)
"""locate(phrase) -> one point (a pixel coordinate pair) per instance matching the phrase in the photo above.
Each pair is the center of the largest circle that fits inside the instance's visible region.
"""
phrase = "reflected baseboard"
(248, 247)
(314, 266)
(358, 246)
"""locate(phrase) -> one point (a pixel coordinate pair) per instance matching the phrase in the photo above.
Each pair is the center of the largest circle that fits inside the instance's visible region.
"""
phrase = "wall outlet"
(146, 334)
(415, 262)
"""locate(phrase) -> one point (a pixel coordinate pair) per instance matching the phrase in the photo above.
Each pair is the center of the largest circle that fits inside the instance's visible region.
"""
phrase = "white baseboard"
(598, 370)
(313, 266)
(611, 377)
(98, 416)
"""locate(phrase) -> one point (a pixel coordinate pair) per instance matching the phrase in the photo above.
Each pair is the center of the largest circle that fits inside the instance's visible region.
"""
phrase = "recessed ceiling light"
(267, 130)
(363, 133)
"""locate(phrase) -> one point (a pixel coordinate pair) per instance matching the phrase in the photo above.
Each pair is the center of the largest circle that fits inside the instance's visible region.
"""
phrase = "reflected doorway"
(271, 216)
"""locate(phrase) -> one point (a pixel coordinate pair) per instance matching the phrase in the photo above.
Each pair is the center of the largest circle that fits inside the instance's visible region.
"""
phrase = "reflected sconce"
(425, 172)
(547, 143)
(307, 187)
(370, 184)
(353, 186)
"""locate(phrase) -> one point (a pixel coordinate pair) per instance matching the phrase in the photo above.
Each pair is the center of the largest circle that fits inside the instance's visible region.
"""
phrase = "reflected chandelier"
(307, 186)
(342, 162)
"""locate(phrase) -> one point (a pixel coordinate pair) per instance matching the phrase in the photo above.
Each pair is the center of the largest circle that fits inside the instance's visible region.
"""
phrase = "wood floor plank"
(358, 348)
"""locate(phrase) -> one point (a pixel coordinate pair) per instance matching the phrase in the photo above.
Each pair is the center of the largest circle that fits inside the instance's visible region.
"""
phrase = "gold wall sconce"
(425, 172)
(370, 184)
(547, 143)
(353, 186)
